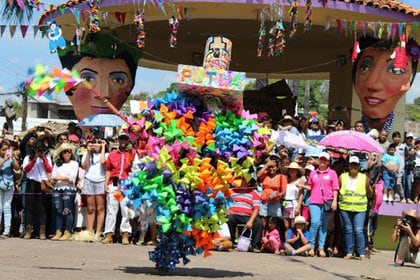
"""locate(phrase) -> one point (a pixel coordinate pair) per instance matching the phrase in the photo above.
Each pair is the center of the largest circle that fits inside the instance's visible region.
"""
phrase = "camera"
(405, 221)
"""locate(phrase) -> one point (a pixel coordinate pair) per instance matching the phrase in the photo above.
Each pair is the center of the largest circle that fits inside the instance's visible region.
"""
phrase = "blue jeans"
(64, 207)
(6, 198)
(319, 219)
(390, 179)
(353, 223)
(408, 183)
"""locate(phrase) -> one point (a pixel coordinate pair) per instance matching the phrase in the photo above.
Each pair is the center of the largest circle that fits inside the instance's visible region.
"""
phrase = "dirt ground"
(36, 259)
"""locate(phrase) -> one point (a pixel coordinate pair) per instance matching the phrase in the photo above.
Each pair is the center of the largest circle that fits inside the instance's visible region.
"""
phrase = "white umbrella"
(289, 140)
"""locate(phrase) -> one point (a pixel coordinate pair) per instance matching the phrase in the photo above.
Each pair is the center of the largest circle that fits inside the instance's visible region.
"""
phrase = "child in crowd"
(223, 242)
(271, 237)
(294, 193)
(390, 163)
(297, 240)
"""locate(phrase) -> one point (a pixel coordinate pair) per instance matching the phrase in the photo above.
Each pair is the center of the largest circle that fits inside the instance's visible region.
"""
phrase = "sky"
(18, 54)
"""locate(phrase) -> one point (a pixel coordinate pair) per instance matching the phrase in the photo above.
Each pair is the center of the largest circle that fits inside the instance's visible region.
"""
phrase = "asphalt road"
(36, 259)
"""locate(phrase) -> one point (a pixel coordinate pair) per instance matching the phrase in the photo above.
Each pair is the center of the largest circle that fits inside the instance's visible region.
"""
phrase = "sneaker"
(398, 262)
(363, 257)
(348, 257)
(291, 253)
(403, 200)
(390, 199)
(256, 250)
(4, 236)
(410, 201)
(385, 198)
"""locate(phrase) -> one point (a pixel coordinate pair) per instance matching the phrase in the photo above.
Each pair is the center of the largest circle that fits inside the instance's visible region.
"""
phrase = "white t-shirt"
(292, 194)
(96, 170)
(68, 169)
(37, 173)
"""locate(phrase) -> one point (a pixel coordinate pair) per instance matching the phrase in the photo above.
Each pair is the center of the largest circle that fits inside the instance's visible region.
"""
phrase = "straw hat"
(64, 147)
(295, 165)
(411, 213)
(300, 220)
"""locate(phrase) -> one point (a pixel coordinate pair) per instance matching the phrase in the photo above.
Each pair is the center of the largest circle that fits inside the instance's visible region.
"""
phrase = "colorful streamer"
(141, 34)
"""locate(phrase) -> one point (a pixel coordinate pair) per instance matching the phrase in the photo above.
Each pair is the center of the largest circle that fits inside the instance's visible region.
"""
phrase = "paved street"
(35, 259)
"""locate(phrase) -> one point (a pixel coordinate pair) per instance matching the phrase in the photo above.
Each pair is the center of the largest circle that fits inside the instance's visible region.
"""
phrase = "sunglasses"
(66, 152)
(271, 166)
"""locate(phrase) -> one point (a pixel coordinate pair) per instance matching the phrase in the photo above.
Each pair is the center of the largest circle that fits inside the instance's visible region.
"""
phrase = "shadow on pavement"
(337, 275)
(58, 268)
(187, 272)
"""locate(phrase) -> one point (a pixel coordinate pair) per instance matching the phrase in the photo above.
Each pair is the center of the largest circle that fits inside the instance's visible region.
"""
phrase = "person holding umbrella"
(353, 202)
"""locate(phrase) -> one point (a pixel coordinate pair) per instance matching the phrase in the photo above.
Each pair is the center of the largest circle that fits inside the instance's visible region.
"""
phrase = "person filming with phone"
(407, 234)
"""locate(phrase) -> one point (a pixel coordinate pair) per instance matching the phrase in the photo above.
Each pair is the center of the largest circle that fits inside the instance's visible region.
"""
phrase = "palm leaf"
(13, 13)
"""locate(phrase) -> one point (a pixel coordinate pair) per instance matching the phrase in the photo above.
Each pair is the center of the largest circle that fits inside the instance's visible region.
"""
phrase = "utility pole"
(306, 97)
(24, 107)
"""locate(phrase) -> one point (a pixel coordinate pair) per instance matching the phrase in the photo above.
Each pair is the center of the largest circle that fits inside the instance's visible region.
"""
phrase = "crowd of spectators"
(61, 187)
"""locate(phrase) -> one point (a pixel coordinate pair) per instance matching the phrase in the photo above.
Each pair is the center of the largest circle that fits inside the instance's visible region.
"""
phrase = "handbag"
(328, 205)
(327, 202)
(46, 186)
(244, 242)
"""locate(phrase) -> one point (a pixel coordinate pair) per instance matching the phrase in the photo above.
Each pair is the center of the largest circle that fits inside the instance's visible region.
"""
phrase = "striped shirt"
(244, 203)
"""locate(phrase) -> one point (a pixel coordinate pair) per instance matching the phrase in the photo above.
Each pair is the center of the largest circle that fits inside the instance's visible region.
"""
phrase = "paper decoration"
(12, 30)
(120, 17)
(307, 26)
(2, 29)
(93, 17)
(141, 33)
(23, 30)
(293, 18)
(173, 27)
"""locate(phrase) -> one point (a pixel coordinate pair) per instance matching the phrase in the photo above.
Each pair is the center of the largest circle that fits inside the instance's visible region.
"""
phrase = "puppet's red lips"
(101, 110)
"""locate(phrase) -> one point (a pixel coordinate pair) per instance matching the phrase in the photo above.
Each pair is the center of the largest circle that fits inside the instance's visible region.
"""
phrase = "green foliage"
(318, 97)
(413, 111)
(17, 106)
(252, 85)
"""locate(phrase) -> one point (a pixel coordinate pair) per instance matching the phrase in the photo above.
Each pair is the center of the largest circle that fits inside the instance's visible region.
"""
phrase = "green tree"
(413, 110)
(318, 97)
(17, 106)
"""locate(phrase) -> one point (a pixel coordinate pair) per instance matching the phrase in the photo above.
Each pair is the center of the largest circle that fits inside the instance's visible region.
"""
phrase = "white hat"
(409, 134)
(354, 159)
(324, 155)
(310, 167)
(373, 133)
(300, 220)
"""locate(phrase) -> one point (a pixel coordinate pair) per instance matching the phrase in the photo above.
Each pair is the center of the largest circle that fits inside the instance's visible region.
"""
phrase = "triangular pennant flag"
(340, 25)
(44, 30)
(62, 9)
(84, 13)
(76, 13)
(388, 30)
(105, 17)
(21, 4)
(24, 29)
(2, 28)
(120, 17)
(36, 28)
(12, 30)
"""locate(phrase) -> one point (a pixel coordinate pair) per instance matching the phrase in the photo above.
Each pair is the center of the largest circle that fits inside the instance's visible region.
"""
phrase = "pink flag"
(21, 4)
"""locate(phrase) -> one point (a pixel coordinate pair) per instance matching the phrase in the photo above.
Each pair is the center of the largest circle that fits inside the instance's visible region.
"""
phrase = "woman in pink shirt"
(324, 186)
